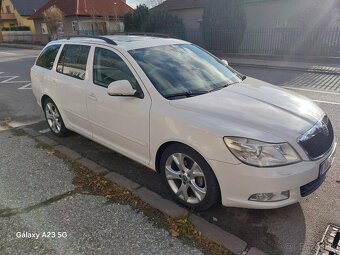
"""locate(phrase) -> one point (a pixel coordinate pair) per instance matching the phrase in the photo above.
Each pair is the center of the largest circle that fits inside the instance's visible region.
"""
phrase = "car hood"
(256, 104)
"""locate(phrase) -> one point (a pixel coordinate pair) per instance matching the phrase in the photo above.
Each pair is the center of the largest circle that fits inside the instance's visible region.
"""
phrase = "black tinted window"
(73, 60)
(109, 67)
(47, 57)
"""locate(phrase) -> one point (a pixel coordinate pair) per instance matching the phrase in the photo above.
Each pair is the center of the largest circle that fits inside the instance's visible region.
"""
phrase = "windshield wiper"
(186, 94)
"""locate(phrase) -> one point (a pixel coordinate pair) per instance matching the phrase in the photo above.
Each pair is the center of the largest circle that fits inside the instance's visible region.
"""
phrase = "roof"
(181, 4)
(99, 8)
(28, 7)
(128, 42)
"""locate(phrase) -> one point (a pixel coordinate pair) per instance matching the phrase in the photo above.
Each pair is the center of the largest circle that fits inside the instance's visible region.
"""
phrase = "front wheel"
(189, 177)
(54, 119)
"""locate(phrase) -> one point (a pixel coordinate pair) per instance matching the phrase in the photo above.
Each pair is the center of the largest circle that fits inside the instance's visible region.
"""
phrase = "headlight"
(261, 154)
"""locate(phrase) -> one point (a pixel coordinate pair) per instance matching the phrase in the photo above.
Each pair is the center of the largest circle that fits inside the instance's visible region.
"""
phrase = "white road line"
(15, 124)
(27, 86)
(9, 79)
(8, 53)
(326, 102)
(311, 90)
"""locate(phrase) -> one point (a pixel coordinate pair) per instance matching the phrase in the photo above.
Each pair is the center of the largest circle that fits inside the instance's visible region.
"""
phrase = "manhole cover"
(330, 242)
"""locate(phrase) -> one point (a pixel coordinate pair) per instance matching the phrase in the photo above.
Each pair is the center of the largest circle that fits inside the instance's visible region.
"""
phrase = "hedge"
(19, 28)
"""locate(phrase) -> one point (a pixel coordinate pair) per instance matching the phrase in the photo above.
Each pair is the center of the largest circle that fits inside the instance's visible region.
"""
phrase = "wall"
(191, 17)
(289, 13)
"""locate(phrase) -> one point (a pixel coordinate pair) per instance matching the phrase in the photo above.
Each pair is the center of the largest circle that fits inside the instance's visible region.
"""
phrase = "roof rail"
(107, 40)
(146, 34)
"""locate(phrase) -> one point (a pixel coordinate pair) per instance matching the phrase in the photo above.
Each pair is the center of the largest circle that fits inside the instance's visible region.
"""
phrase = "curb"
(22, 46)
(286, 68)
(210, 231)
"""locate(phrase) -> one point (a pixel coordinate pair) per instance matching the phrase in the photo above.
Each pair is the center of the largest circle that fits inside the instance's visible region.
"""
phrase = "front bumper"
(239, 182)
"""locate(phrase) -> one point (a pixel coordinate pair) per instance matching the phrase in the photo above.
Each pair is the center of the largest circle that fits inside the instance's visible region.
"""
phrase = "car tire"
(54, 120)
(189, 177)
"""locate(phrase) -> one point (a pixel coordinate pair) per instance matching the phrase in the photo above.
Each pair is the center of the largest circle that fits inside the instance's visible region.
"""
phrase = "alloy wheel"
(53, 117)
(185, 178)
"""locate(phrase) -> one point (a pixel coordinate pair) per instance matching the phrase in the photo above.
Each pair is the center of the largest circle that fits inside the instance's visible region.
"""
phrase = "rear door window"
(73, 60)
(47, 57)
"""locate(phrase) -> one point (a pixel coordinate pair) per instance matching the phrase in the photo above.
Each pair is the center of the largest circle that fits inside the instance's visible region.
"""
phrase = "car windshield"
(184, 70)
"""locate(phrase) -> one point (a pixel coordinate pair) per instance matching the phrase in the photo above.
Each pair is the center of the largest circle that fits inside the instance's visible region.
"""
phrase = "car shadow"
(279, 231)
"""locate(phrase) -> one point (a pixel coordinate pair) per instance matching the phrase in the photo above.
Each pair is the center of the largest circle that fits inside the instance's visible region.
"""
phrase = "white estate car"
(214, 134)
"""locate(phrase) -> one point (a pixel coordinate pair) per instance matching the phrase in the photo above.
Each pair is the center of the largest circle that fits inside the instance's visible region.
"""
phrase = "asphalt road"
(291, 230)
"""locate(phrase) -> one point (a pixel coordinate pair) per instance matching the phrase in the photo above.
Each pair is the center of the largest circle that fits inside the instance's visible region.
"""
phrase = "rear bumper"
(239, 182)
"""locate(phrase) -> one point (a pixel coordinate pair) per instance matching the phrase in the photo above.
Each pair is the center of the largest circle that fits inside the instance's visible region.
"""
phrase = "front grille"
(309, 188)
(319, 139)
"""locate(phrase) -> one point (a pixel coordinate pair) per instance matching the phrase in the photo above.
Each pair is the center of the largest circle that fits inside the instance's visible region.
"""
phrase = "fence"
(262, 41)
(271, 41)
(23, 37)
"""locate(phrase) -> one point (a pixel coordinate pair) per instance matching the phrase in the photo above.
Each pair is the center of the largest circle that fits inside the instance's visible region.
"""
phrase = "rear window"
(47, 57)
(73, 60)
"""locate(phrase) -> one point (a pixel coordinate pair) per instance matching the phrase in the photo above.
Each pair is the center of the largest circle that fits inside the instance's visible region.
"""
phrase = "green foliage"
(140, 15)
(128, 22)
(161, 21)
(19, 28)
(224, 21)
(155, 21)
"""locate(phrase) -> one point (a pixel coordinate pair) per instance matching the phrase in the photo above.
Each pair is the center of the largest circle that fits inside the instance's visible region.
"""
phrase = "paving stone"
(67, 152)
(219, 236)
(101, 170)
(255, 251)
(31, 132)
(122, 181)
(91, 165)
(166, 206)
(46, 140)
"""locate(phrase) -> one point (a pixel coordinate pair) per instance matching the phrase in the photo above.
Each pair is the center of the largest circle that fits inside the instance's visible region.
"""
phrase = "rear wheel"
(189, 177)
(54, 119)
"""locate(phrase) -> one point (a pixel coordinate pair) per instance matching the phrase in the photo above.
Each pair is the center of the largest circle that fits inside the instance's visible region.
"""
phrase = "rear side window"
(109, 67)
(73, 60)
(47, 57)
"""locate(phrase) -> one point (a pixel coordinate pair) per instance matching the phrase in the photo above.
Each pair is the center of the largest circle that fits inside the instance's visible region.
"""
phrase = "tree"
(139, 16)
(224, 23)
(161, 21)
(128, 22)
(53, 18)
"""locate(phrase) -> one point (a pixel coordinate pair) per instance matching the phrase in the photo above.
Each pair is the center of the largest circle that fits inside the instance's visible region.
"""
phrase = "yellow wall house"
(18, 12)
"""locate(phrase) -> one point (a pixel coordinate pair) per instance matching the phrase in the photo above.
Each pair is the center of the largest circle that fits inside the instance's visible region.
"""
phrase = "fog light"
(269, 197)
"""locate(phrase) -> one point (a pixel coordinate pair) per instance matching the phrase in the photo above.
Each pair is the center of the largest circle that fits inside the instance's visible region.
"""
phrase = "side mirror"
(225, 62)
(122, 88)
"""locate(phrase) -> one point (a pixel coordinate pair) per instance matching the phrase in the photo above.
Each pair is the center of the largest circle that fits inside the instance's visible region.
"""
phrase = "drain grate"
(330, 242)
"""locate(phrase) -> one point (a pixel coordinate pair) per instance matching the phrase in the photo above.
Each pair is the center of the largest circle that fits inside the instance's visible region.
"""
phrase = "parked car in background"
(212, 133)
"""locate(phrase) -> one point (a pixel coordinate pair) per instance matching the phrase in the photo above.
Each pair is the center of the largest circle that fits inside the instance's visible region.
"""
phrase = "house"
(263, 13)
(17, 12)
(190, 11)
(86, 16)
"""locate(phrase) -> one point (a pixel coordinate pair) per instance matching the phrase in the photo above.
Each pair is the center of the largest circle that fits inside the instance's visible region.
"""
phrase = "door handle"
(54, 82)
(92, 96)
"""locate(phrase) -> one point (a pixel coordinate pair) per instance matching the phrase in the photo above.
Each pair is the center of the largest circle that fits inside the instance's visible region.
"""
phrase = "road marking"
(311, 90)
(9, 79)
(8, 53)
(15, 124)
(326, 102)
(44, 131)
(27, 86)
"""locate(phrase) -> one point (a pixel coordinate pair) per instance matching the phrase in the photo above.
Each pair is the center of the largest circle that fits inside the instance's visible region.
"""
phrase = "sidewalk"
(322, 68)
(42, 211)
